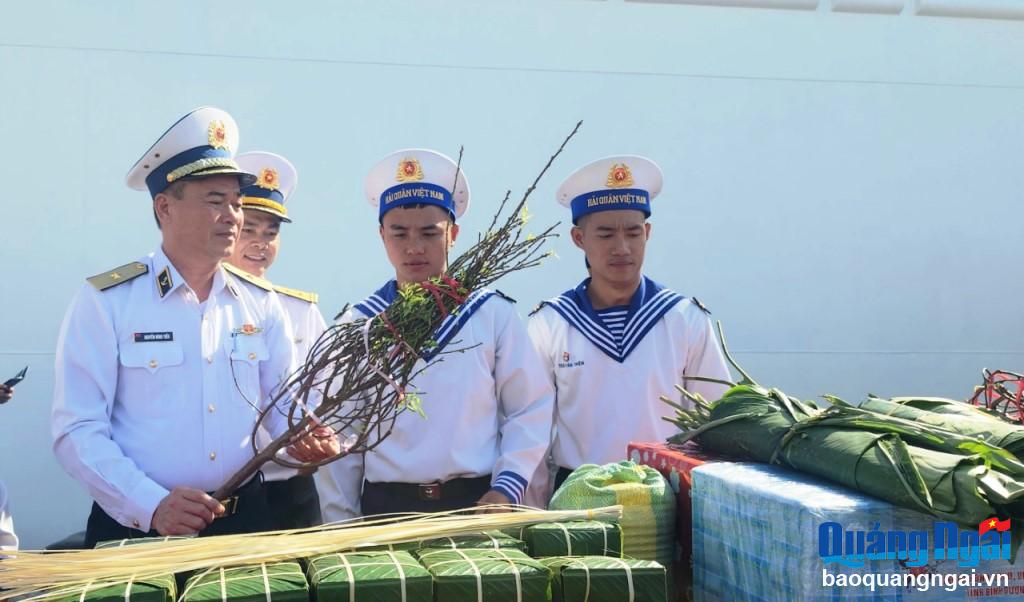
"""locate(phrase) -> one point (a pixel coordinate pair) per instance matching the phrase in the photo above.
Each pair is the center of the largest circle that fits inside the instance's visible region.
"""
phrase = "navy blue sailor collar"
(649, 303)
(379, 301)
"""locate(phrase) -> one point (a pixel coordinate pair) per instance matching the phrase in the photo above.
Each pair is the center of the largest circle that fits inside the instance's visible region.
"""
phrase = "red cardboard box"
(675, 463)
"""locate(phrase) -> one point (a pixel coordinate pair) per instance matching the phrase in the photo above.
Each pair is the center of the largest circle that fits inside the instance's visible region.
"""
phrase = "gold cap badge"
(409, 170)
(217, 134)
(619, 176)
(268, 179)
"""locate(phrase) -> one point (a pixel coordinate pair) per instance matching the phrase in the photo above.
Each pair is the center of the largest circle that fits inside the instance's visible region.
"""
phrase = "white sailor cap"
(618, 182)
(417, 176)
(276, 179)
(202, 143)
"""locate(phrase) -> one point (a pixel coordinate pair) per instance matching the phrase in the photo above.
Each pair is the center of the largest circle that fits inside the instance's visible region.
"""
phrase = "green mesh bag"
(648, 505)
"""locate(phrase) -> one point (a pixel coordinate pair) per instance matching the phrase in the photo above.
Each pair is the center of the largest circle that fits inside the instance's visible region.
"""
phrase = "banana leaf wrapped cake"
(577, 538)
(472, 575)
(604, 579)
(369, 577)
(953, 467)
(264, 582)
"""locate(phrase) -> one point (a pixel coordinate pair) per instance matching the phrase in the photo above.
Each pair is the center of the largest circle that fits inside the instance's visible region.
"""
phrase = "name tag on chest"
(153, 337)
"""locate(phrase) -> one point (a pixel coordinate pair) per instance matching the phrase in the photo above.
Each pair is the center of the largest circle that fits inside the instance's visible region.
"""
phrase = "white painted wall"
(842, 188)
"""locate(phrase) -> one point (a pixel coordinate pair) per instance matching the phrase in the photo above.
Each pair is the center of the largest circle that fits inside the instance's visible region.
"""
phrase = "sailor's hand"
(185, 511)
(6, 393)
(492, 497)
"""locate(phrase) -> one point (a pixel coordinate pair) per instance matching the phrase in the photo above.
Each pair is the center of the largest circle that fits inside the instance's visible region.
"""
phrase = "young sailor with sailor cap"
(488, 408)
(164, 363)
(292, 493)
(639, 336)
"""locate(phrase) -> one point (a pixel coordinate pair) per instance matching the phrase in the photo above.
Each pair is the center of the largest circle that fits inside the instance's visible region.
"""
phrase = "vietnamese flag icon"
(990, 524)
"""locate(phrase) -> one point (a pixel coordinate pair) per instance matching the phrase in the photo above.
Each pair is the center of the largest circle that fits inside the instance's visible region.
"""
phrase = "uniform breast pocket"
(247, 353)
(153, 371)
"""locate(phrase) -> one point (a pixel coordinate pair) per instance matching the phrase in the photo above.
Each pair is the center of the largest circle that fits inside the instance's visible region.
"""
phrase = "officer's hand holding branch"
(316, 445)
(185, 511)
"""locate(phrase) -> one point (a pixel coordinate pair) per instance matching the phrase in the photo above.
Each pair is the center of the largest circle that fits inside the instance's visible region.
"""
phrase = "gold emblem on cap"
(268, 179)
(619, 176)
(409, 170)
(217, 134)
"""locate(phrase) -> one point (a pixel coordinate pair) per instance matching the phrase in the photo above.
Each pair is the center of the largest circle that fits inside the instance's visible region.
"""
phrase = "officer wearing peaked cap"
(617, 341)
(488, 408)
(163, 363)
(294, 503)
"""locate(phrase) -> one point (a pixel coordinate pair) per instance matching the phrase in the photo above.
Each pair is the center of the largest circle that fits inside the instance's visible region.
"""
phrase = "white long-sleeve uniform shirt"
(155, 390)
(307, 324)
(488, 412)
(8, 540)
(603, 402)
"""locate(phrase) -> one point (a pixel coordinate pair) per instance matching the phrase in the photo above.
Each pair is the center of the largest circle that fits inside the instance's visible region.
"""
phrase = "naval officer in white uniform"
(617, 341)
(294, 503)
(488, 409)
(164, 363)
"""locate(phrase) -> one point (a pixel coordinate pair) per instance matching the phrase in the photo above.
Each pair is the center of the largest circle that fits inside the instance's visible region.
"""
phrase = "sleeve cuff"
(141, 503)
(511, 485)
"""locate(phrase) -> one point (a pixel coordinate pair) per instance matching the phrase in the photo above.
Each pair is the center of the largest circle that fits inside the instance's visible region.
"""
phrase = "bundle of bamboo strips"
(47, 575)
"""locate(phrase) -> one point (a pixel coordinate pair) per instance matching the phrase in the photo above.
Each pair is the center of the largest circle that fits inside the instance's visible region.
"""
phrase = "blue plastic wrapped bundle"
(763, 532)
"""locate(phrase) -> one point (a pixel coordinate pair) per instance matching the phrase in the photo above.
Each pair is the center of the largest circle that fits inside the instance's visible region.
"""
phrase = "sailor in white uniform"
(616, 342)
(8, 539)
(292, 493)
(488, 409)
(163, 364)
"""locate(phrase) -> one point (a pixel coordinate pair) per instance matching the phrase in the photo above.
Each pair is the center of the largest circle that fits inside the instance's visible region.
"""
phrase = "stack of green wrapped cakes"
(560, 562)
(589, 561)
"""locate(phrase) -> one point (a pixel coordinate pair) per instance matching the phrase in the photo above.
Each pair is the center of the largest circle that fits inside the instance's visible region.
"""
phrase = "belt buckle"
(230, 506)
(430, 491)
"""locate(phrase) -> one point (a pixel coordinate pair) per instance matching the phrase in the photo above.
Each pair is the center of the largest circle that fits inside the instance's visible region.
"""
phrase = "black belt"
(560, 476)
(253, 486)
(434, 491)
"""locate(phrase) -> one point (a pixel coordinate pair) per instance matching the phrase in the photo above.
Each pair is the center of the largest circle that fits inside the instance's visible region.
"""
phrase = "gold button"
(135, 524)
(152, 363)
(210, 408)
(252, 356)
(209, 359)
(213, 455)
